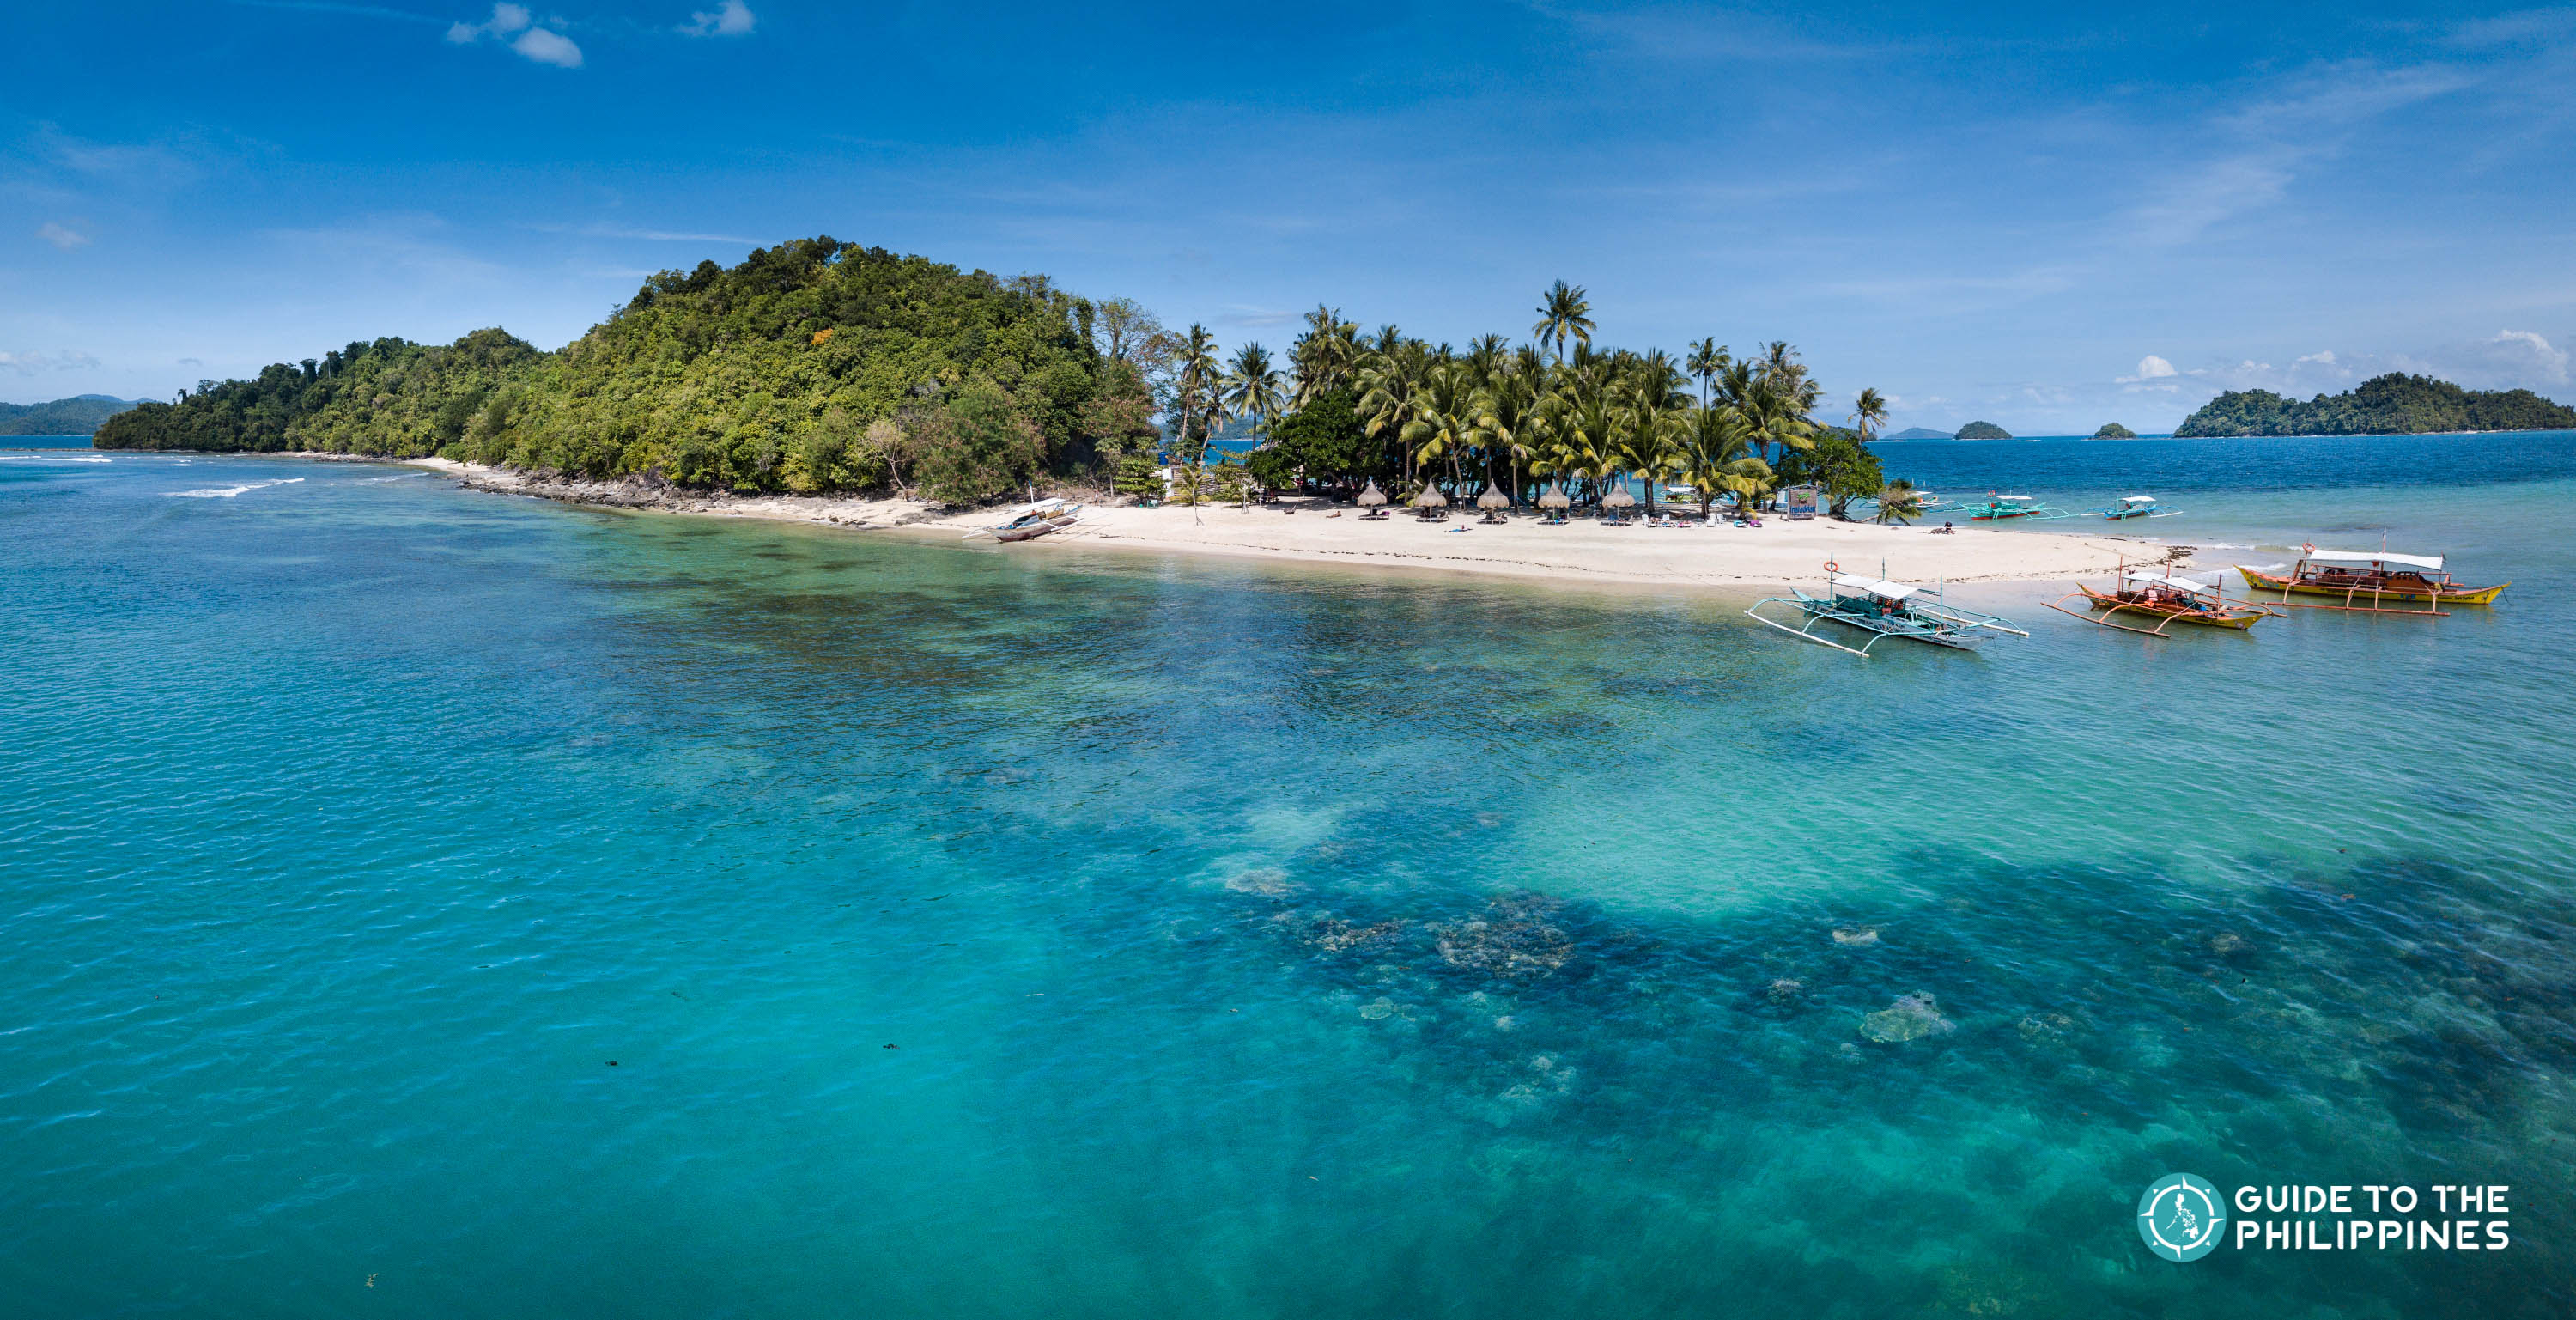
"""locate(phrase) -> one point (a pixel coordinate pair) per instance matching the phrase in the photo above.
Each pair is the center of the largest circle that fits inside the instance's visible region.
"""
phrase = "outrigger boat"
(1031, 520)
(2370, 581)
(2145, 593)
(1999, 507)
(2136, 506)
(1889, 609)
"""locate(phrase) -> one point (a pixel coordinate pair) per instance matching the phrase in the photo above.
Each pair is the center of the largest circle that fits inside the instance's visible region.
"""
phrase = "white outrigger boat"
(1030, 520)
(2136, 506)
(1889, 609)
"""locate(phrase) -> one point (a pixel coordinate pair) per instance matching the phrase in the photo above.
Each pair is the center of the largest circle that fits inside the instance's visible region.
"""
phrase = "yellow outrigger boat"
(2372, 581)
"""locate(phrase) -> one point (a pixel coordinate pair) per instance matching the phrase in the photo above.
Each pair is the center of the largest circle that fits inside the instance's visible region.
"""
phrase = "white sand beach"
(1778, 553)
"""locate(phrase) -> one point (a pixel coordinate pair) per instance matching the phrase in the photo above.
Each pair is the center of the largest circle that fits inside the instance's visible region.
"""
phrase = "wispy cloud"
(733, 18)
(29, 364)
(62, 236)
(513, 26)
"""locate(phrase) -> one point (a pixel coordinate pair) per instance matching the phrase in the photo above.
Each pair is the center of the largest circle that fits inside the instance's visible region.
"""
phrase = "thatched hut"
(1555, 502)
(1371, 497)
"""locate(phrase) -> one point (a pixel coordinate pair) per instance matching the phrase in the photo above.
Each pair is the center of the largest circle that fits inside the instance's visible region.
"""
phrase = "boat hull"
(2356, 595)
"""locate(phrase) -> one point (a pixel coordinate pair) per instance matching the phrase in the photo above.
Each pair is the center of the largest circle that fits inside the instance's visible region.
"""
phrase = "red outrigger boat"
(2165, 597)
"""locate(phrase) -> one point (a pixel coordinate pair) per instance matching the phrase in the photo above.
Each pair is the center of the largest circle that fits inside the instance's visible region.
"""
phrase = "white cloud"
(544, 45)
(2150, 367)
(62, 236)
(733, 18)
(28, 364)
(506, 19)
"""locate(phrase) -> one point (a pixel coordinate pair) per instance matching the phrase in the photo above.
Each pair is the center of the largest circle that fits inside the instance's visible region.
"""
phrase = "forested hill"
(2393, 404)
(74, 416)
(814, 365)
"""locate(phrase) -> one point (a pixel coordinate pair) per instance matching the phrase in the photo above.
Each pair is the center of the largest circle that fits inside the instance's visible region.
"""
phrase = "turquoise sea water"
(423, 902)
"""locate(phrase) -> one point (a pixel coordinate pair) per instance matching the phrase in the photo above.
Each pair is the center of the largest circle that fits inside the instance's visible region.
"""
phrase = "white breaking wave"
(48, 458)
(227, 492)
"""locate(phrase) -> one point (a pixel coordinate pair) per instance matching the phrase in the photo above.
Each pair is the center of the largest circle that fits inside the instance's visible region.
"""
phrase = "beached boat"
(2371, 581)
(1032, 520)
(1888, 609)
(2136, 506)
(2150, 600)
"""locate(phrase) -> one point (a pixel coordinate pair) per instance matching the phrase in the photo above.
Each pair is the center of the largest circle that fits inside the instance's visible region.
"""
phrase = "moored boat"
(2136, 506)
(1888, 609)
(2374, 581)
(1996, 508)
(2149, 600)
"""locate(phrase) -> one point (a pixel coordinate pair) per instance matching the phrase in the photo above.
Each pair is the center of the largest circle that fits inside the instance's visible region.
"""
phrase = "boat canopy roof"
(1843, 584)
(2376, 559)
(2172, 579)
(2137, 499)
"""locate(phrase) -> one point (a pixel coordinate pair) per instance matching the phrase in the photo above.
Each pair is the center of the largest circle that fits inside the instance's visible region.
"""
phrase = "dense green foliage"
(781, 373)
(390, 397)
(822, 366)
(1982, 431)
(74, 416)
(2114, 431)
(1841, 467)
(2393, 404)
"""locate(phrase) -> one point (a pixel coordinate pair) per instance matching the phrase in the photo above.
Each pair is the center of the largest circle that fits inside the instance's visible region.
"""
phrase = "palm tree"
(1707, 358)
(1869, 412)
(1898, 501)
(1652, 405)
(1196, 386)
(1324, 355)
(1717, 455)
(1252, 388)
(1389, 377)
(1563, 311)
(1444, 416)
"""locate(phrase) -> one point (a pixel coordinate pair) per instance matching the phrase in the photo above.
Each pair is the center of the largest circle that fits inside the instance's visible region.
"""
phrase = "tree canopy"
(2394, 404)
(1982, 431)
(2114, 431)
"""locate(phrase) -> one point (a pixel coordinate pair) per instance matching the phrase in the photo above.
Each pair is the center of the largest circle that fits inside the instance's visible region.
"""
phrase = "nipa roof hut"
(1552, 498)
(1618, 498)
(1431, 498)
(1372, 497)
(1493, 498)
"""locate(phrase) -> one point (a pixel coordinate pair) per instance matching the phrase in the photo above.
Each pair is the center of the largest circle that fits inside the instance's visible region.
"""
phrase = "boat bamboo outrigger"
(2367, 581)
(1889, 609)
(2148, 593)
(1031, 520)
(2136, 506)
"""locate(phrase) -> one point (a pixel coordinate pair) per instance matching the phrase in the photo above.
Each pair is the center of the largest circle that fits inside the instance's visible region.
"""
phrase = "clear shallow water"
(353, 824)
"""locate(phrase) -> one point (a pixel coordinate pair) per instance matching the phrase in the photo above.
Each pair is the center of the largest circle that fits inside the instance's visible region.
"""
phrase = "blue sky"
(2042, 216)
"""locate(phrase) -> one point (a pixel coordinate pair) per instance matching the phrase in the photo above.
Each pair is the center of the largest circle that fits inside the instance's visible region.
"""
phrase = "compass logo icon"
(2180, 1217)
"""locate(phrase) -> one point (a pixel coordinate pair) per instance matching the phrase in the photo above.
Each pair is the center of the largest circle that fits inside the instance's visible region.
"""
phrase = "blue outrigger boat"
(1889, 609)
(1996, 508)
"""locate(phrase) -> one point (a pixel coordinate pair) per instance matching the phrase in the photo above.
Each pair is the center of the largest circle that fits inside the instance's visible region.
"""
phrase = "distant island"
(78, 415)
(1982, 431)
(2393, 404)
(1916, 433)
(2114, 431)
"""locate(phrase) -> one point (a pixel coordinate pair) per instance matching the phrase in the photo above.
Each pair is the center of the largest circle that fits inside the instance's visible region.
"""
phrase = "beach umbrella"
(1618, 498)
(1493, 498)
(1431, 498)
(1552, 498)
(1372, 497)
